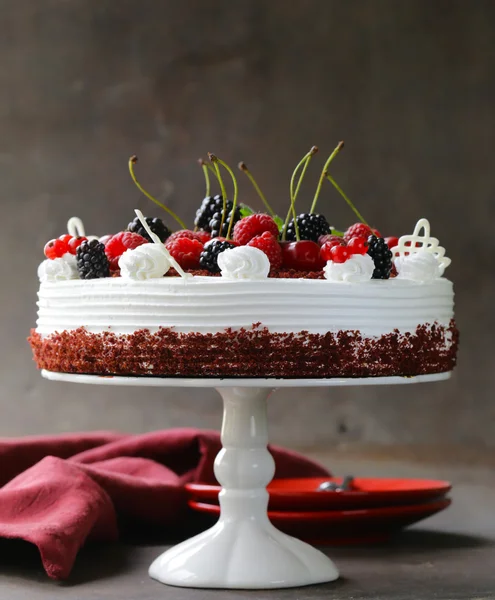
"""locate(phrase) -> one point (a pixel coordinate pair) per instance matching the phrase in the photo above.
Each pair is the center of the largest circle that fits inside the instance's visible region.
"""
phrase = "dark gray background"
(409, 85)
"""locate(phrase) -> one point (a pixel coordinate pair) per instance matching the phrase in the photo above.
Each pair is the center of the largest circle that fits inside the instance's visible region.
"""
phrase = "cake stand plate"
(243, 550)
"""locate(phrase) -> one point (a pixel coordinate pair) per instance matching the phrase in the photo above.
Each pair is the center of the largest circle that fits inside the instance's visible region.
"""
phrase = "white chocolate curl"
(75, 228)
(148, 261)
(357, 268)
(412, 244)
(244, 262)
(419, 266)
(58, 269)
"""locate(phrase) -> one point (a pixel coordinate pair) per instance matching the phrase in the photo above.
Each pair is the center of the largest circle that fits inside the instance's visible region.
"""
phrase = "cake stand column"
(243, 550)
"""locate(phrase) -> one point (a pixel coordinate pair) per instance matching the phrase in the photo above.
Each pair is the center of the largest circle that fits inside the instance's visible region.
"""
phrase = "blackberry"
(156, 225)
(216, 220)
(381, 255)
(92, 262)
(209, 257)
(209, 207)
(310, 225)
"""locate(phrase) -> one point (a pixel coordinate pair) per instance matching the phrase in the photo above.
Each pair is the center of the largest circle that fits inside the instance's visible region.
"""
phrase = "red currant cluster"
(64, 244)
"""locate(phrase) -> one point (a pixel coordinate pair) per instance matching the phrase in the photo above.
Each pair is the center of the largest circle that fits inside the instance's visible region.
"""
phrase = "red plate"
(343, 527)
(302, 494)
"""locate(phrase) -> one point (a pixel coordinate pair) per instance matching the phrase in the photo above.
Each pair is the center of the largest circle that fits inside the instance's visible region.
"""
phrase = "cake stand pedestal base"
(243, 550)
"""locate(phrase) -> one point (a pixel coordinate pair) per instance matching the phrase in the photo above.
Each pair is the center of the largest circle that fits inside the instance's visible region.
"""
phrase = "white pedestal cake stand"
(243, 550)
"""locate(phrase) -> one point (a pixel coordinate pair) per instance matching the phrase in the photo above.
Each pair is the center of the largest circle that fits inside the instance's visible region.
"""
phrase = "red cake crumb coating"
(254, 352)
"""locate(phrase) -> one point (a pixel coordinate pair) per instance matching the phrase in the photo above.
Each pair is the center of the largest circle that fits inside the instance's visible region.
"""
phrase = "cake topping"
(269, 245)
(357, 268)
(119, 243)
(58, 269)
(419, 266)
(416, 243)
(156, 225)
(381, 255)
(148, 261)
(209, 257)
(249, 227)
(244, 262)
(92, 262)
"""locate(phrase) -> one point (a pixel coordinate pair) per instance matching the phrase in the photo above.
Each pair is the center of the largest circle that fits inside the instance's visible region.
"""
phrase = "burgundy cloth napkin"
(59, 491)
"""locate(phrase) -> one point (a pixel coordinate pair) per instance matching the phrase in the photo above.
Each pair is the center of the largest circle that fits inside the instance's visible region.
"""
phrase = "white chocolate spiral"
(244, 262)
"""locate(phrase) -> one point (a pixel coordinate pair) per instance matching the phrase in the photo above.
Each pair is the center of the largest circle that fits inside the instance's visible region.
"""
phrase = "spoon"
(333, 486)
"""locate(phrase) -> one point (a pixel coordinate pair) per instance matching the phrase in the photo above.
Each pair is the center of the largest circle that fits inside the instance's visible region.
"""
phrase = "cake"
(246, 294)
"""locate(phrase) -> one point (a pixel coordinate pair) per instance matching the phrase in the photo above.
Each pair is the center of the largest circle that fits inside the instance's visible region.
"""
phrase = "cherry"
(340, 254)
(392, 242)
(302, 256)
(357, 245)
(74, 243)
(55, 249)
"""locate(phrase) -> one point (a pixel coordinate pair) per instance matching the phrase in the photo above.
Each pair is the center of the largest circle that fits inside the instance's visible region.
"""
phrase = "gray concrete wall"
(408, 84)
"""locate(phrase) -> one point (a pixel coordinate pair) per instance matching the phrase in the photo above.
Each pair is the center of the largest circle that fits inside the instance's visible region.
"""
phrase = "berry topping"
(269, 245)
(254, 225)
(332, 239)
(325, 250)
(391, 242)
(156, 225)
(215, 225)
(310, 227)
(119, 243)
(55, 248)
(303, 256)
(66, 238)
(340, 254)
(209, 256)
(104, 238)
(382, 257)
(358, 230)
(186, 251)
(208, 208)
(201, 236)
(74, 243)
(92, 261)
(358, 245)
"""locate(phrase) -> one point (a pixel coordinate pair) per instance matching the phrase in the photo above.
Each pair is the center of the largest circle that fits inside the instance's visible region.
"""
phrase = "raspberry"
(333, 239)
(269, 245)
(186, 251)
(119, 243)
(358, 230)
(55, 248)
(252, 226)
(201, 236)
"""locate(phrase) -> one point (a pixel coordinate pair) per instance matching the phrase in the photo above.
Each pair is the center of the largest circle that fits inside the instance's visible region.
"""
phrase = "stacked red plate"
(370, 510)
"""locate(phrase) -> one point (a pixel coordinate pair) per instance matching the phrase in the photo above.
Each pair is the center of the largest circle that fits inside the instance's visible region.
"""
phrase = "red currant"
(340, 254)
(55, 249)
(302, 256)
(74, 244)
(392, 242)
(326, 248)
(358, 245)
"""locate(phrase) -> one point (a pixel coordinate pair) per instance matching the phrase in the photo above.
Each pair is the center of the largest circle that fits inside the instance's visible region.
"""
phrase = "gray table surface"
(449, 556)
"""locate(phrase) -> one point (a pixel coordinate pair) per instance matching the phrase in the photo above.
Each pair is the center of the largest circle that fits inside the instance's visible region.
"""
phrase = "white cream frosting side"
(244, 262)
(148, 261)
(419, 266)
(58, 269)
(207, 305)
(357, 268)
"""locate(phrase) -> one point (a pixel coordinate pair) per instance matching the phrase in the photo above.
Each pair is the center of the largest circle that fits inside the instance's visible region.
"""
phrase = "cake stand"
(243, 550)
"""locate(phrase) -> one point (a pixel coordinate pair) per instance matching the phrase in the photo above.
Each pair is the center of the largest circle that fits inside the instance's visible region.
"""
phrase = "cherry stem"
(132, 161)
(304, 162)
(204, 166)
(351, 204)
(243, 167)
(339, 147)
(234, 201)
(216, 161)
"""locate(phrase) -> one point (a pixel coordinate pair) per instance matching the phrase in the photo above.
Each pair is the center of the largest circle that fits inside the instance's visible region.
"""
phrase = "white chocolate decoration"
(244, 262)
(412, 244)
(148, 261)
(419, 266)
(75, 228)
(357, 268)
(58, 269)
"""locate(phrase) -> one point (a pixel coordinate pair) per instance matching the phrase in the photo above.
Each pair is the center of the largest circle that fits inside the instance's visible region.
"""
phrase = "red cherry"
(392, 242)
(74, 244)
(55, 249)
(340, 254)
(357, 245)
(302, 256)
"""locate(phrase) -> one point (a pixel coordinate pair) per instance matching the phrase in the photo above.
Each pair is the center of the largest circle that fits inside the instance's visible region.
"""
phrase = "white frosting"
(208, 305)
(244, 262)
(357, 268)
(148, 261)
(415, 243)
(58, 269)
(419, 266)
